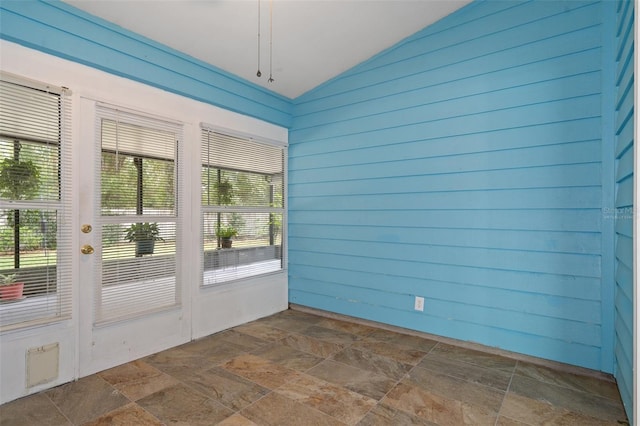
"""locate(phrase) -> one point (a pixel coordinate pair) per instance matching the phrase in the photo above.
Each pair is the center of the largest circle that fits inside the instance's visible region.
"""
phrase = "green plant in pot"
(225, 191)
(145, 235)
(10, 287)
(226, 233)
(19, 179)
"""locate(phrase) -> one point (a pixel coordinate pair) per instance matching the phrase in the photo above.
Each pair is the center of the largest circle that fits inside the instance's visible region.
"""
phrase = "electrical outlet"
(419, 304)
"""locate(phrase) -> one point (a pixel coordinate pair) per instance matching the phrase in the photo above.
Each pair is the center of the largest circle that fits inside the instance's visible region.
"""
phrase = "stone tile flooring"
(299, 369)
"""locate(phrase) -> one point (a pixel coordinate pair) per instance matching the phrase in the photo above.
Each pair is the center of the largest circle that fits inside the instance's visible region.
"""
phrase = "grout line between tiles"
(147, 411)
(553, 365)
(297, 322)
(44, 392)
(506, 392)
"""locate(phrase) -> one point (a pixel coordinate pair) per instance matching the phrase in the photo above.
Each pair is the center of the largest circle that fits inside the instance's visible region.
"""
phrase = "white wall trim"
(205, 313)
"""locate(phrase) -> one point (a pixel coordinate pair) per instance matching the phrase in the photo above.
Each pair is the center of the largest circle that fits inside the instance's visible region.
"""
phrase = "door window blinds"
(242, 206)
(138, 199)
(35, 205)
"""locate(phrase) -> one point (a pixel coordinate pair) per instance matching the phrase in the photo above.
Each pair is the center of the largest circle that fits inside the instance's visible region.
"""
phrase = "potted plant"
(226, 233)
(225, 191)
(144, 234)
(10, 288)
(19, 179)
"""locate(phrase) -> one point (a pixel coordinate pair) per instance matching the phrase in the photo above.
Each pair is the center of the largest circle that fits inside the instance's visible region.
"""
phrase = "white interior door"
(131, 292)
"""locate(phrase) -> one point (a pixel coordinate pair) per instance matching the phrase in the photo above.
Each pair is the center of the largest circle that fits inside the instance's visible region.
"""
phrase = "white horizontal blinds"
(29, 112)
(137, 200)
(253, 251)
(242, 153)
(35, 208)
(133, 154)
(243, 209)
(136, 279)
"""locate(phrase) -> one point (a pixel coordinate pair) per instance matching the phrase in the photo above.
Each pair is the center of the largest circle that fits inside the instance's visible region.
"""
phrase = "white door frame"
(107, 345)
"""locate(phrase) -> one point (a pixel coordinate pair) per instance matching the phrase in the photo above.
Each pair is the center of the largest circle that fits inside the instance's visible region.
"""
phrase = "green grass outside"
(35, 258)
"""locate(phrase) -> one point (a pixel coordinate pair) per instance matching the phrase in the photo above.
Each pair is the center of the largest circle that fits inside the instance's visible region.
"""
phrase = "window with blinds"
(242, 207)
(137, 201)
(35, 207)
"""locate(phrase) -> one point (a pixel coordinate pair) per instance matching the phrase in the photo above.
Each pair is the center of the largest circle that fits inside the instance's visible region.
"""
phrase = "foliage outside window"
(242, 199)
(34, 211)
(138, 204)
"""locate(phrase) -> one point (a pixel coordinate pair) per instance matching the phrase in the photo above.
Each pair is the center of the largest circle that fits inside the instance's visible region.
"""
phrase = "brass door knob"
(87, 249)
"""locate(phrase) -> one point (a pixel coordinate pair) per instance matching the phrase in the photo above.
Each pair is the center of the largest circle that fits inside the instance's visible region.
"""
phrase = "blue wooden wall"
(67, 32)
(470, 165)
(624, 112)
(466, 165)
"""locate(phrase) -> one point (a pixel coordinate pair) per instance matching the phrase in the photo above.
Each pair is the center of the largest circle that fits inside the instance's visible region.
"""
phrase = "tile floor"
(295, 368)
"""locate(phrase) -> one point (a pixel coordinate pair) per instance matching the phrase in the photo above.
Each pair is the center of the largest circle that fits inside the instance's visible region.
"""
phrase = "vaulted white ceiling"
(313, 40)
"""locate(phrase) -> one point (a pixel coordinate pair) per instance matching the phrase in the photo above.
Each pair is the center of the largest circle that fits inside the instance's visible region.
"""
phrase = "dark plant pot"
(144, 247)
(226, 242)
(11, 291)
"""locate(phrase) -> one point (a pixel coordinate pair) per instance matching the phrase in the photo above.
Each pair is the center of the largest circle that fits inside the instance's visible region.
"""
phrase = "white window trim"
(244, 273)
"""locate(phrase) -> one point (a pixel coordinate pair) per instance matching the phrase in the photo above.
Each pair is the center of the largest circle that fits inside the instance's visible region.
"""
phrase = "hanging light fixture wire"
(259, 73)
(271, 80)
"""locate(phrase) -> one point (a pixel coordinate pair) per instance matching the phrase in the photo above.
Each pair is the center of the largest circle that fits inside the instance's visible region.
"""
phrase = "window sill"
(228, 274)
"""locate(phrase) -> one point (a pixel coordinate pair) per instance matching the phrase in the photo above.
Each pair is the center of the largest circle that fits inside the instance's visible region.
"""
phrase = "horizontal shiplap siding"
(462, 165)
(624, 123)
(62, 30)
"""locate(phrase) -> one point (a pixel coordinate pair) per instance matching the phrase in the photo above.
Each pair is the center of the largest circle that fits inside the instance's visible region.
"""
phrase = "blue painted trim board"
(608, 183)
(622, 213)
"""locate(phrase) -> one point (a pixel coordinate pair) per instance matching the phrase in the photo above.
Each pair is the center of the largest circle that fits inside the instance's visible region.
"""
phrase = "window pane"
(29, 170)
(35, 172)
(137, 185)
(137, 170)
(158, 185)
(237, 188)
(238, 245)
(123, 241)
(30, 250)
(118, 178)
(245, 229)
(243, 207)
(29, 113)
(138, 180)
(137, 275)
